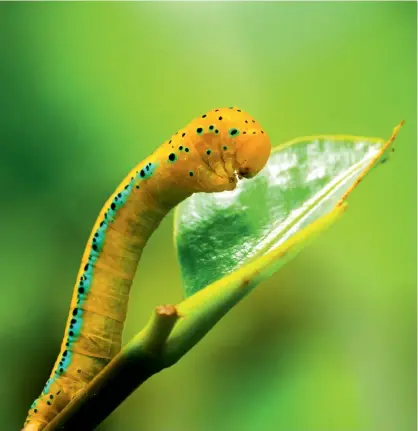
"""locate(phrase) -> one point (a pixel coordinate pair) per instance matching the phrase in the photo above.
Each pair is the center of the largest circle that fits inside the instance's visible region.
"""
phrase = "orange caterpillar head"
(213, 151)
(250, 144)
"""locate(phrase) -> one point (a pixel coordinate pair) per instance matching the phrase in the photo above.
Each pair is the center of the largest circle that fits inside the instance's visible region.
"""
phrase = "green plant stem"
(138, 360)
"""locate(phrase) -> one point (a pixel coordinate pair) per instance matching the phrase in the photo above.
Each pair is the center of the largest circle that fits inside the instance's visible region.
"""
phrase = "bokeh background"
(87, 90)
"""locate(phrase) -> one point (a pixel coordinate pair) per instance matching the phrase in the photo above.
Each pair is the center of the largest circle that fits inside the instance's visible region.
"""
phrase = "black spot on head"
(233, 132)
(169, 141)
(142, 173)
(254, 133)
(216, 110)
(137, 187)
(183, 135)
(35, 411)
(231, 107)
(186, 149)
(238, 110)
(211, 127)
(113, 206)
(208, 152)
(79, 371)
(204, 115)
(262, 131)
(181, 147)
(199, 130)
(172, 157)
(220, 118)
(244, 133)
(216, 131)
(51, 397)
(225, 148)
(191, 173)
(246, 121)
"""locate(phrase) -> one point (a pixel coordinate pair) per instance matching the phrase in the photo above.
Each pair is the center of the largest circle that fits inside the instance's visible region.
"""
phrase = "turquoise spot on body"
(66, 360)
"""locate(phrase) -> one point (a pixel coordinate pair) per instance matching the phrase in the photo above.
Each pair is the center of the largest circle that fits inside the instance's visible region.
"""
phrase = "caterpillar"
(210, 154)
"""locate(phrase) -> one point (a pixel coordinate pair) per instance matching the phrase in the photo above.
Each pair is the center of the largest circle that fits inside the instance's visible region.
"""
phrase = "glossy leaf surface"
(304, 179)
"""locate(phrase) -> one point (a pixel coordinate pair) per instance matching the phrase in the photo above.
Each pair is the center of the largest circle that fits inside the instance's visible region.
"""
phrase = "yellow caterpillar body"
(208, 155)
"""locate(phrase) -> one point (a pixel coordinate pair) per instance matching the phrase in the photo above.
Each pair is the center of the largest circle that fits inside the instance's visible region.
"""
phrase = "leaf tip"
(396, 130)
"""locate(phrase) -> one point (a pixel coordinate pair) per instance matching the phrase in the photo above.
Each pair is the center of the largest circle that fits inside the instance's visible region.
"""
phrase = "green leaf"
(304, 179)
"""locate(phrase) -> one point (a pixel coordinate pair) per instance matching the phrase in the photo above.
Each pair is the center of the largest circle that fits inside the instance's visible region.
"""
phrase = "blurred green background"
(87, 90)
